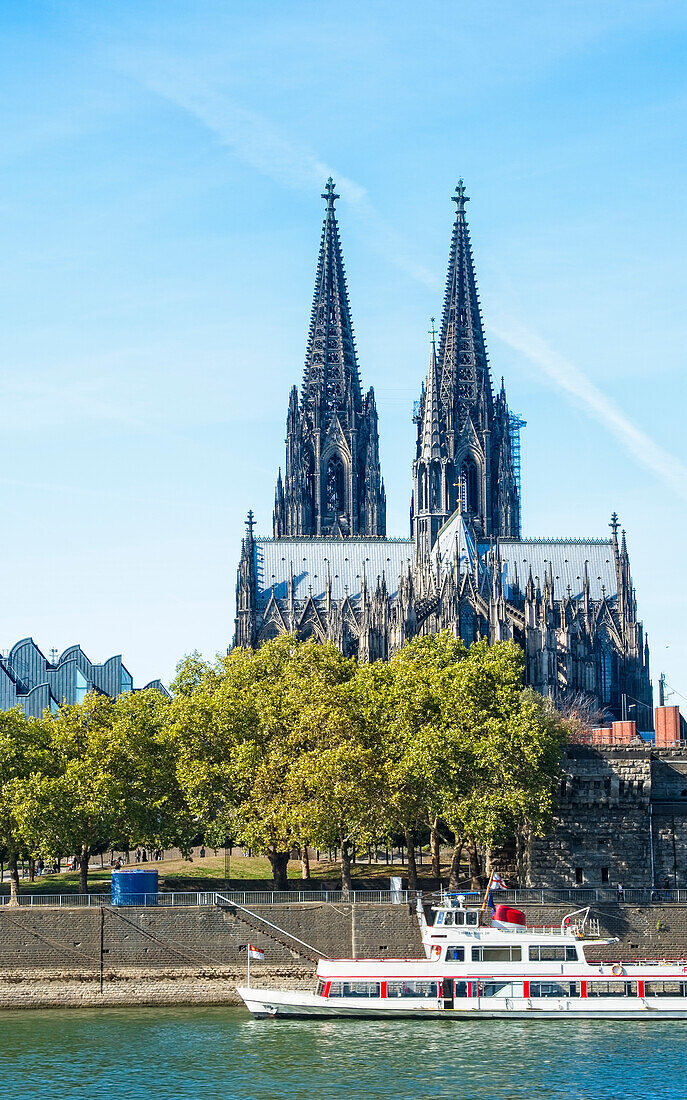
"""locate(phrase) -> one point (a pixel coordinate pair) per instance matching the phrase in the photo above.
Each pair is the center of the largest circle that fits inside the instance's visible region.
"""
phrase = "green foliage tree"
(423, 745)
(466, 751)
(504, 775)
(111, 780)
(241, 727)
(23, 750)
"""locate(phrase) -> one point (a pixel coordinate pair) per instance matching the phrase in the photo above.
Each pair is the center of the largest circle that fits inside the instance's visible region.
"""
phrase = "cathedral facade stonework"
(330, 573)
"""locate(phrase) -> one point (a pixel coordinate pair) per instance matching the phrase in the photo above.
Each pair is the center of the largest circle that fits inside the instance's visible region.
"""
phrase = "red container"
(510, 916)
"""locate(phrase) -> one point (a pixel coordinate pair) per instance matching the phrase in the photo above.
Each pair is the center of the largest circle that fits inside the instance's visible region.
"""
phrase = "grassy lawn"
(208, 874)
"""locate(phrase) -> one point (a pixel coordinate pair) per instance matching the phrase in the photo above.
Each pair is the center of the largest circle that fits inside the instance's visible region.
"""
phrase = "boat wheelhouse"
(479, 965)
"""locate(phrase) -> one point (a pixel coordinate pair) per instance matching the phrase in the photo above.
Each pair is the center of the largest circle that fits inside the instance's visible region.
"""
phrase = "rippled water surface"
(174, 1053)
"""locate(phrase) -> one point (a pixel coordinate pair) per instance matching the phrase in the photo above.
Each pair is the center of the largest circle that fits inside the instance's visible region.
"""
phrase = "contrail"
(570, 378)
(254, 140)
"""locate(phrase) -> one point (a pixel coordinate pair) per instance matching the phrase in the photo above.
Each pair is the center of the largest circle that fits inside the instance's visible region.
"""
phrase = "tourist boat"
(483, 965)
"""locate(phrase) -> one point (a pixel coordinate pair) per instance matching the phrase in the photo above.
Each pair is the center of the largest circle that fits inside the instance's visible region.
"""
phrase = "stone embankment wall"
(104, 957)
(621, 817)
(52, 957)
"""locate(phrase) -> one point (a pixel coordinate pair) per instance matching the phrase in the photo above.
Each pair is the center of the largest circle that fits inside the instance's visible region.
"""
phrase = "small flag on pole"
(256, 953)
(497, 882)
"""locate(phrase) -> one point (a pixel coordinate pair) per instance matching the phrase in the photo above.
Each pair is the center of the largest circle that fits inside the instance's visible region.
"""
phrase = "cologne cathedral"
(329, 571)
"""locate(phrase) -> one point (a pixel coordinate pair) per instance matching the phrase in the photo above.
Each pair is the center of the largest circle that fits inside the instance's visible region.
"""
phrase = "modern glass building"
(29, 680)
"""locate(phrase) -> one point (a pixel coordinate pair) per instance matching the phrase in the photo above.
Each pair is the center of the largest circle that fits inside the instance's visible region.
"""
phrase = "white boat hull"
(273, 1003)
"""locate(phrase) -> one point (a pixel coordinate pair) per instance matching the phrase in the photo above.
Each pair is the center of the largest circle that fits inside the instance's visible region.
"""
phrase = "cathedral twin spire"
(463, 457)
(331, 375)
(465, 380)
(333, 485)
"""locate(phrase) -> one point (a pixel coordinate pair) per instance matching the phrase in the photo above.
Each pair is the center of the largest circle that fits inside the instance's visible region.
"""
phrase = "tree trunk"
(474, 864)
(435, 843)
(305, 862)
(346, 853)
(83, 869)
(279, 862)
(412, 865)
(14, 879)
(454, 874)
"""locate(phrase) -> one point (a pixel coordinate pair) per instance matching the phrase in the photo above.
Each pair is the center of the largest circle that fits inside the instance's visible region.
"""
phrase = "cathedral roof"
(566, 557)
(311, 560)
(455, 540)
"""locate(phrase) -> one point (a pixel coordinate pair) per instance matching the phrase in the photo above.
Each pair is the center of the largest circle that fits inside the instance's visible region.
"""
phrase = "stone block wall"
(51, 958)
(43, 938)
(621, 817)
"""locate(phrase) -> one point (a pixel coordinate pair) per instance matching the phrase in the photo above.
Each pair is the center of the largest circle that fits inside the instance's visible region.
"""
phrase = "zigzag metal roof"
(567, 557)
(311, 558)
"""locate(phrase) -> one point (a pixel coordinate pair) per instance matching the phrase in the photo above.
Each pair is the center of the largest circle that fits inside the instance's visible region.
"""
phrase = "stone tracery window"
(434, 487)
(335, 486)
(468, 487)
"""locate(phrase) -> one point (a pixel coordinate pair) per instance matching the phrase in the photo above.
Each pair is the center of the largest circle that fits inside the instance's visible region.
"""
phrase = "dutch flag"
(256, 953)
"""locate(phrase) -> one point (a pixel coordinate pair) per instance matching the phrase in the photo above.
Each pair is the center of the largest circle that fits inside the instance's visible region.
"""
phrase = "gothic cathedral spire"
(471, 464)
(430, 492)
(332, 485)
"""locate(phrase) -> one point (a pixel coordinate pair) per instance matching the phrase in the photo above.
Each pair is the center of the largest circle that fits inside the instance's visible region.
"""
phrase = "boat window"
(611, 989)
(320, 988)
(448, 919)
(412, 989)
(354, 989)
(440, 918)
(501, 989)
(504, 953)
(548, 952)
(665, 989)
(455, 954)
(459, 917)
(470, 917)
(554, 989)
(460, 989)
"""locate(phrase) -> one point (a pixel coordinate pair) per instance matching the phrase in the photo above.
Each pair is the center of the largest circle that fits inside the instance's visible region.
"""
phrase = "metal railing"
(587, 895)
(580, 895)
(213, 897)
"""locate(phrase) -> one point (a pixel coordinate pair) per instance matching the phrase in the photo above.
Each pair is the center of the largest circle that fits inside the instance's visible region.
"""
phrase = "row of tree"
(287, 747)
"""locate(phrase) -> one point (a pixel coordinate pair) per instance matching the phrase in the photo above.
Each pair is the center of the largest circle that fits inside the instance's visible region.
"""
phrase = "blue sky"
(161, 165)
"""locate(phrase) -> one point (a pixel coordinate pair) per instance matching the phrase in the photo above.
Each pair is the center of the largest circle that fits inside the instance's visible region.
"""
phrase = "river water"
(208, 1054)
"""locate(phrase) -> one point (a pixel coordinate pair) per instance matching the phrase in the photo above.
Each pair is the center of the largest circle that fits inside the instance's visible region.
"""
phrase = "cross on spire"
(250, 524)
(329, 193)
(433, 331)
(460, 198)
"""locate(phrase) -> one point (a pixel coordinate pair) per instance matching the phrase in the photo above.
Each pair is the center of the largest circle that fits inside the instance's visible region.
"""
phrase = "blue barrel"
(133, 888)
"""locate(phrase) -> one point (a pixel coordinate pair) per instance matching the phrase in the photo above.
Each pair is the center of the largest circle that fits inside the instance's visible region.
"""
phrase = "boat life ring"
(436, 952)
(618, 970)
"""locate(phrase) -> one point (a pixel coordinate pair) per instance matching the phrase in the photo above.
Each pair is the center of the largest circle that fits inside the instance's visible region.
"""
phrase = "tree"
(337, 785)
(23, 749)
(241, 725)
(111, 780)
(404, 700)
(511, 739)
